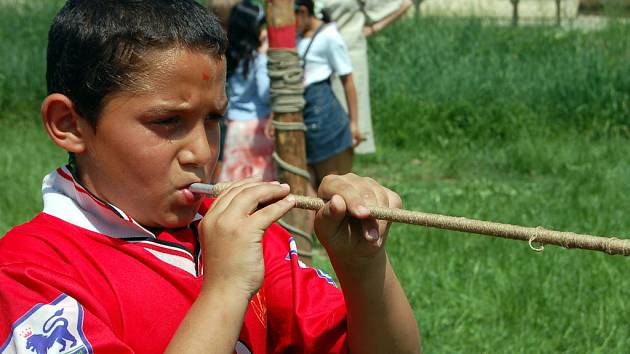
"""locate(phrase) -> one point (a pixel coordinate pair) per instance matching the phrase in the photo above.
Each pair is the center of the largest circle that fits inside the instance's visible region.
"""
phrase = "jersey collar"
(66, 199)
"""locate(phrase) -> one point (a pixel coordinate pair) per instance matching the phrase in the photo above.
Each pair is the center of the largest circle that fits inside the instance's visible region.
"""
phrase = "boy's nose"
(197, 150)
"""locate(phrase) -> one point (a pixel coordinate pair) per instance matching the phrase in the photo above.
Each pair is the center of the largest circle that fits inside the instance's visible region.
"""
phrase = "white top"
(328, 55)
(249, 97)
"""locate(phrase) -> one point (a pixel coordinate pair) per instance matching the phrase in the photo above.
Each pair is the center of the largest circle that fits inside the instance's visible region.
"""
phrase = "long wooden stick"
(610, 245)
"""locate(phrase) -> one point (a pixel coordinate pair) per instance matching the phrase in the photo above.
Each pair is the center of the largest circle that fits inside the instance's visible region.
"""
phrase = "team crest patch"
(49, 328)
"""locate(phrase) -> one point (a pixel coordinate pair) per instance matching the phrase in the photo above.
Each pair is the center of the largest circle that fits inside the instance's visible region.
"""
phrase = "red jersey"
(84, 277)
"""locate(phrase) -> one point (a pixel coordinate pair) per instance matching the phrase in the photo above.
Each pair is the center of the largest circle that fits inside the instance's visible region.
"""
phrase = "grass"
(518, 125)
(26, 153)
(524, 125)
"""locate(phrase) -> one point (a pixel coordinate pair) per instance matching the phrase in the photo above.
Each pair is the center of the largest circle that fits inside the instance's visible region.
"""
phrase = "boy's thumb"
(331, 215)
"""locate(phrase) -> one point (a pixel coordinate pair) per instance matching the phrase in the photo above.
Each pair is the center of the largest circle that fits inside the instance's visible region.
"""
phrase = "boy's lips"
(189, 196)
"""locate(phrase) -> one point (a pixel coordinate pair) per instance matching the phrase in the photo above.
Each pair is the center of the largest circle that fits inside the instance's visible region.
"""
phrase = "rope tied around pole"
(286, 74)
(289, 126)
(287, 96)
(291, 168)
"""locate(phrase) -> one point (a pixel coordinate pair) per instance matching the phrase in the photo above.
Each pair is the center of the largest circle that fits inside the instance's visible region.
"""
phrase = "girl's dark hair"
(244, 25)
(310, 7)
(98, 47)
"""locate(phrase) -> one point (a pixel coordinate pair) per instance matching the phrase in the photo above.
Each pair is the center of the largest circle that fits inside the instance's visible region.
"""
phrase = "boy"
(125, 258)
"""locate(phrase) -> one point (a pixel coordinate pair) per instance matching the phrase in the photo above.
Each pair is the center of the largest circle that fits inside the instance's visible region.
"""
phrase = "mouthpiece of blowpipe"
(610, 245)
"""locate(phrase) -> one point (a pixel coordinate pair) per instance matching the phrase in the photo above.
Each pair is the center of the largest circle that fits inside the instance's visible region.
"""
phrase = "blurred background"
(502, 110)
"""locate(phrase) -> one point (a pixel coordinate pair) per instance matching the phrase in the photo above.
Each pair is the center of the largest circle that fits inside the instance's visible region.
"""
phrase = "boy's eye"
(166, 121)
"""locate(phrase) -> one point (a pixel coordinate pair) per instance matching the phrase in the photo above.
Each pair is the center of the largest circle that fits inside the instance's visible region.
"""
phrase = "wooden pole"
(290, 145)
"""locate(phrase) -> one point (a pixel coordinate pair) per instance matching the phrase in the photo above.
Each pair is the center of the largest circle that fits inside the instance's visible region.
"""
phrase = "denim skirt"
(327, 124)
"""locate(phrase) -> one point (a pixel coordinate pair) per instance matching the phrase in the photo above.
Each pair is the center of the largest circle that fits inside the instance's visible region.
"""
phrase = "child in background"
(124, 258)
(331, 133)
(247, 150)
(221, 9)
(356, 20)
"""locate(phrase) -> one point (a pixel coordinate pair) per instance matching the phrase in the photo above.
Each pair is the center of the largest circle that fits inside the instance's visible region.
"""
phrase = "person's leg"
(361, 78)
(360, 75)
(338, 164)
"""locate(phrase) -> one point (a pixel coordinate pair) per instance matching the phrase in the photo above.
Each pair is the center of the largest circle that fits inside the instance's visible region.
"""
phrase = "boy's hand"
(351, 238)
(231, 234)
(380, 319)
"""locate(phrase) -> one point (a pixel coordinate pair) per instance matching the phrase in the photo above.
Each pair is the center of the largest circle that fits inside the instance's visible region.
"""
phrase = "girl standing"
(247, 150)
(331, 132)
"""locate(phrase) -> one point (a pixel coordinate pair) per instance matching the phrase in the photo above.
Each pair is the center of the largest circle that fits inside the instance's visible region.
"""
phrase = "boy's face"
(148, 147)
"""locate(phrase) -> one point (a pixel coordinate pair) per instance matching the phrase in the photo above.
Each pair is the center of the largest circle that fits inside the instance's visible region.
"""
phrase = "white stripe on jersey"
(182, 263)
(167, 247)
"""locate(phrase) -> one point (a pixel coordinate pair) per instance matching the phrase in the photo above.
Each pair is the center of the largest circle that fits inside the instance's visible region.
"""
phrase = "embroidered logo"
(52, 328)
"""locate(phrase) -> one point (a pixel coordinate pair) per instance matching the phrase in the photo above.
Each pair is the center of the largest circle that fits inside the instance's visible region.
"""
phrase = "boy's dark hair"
(245, 22)
(97, 47)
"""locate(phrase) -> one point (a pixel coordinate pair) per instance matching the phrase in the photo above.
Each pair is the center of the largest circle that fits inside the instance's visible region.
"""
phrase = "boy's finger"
(250, 197)
(224, 199)
(263, 218)
(371, 231)
(393, 198)
(376, 231)
(243, 182)
(345, 187)
(331, 216)
(358, 193)
(234, 185)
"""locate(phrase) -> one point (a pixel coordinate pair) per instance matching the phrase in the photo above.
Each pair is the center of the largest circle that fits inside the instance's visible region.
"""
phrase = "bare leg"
(339, 164)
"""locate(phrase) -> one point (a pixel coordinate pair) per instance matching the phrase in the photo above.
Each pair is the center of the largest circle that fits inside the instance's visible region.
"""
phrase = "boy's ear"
(64, 125)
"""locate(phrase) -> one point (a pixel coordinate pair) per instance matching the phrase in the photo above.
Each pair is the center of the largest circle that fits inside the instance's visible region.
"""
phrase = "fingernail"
(290, 198)
(379, 243)
(285, 186)
(274, 182)
(372, 234)
(363, 210)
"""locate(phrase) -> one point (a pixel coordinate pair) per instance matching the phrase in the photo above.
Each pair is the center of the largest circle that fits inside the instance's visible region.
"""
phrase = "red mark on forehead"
(205, 76)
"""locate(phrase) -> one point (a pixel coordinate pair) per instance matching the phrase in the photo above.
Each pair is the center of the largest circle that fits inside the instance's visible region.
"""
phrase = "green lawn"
(527, 125)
